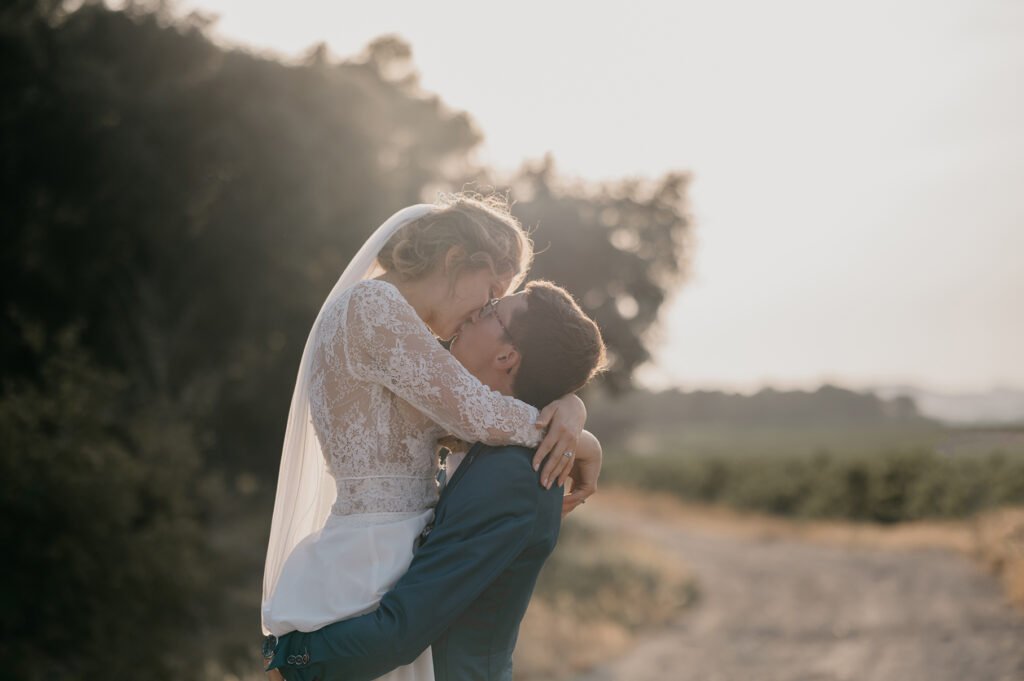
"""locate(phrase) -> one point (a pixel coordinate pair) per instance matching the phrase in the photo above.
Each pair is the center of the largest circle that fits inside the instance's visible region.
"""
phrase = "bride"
(375, 392)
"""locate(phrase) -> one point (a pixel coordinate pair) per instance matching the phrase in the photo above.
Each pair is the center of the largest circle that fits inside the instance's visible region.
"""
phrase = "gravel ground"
(787, 610)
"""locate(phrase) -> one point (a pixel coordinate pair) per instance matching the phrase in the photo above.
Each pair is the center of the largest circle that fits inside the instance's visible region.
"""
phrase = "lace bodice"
(383, 390)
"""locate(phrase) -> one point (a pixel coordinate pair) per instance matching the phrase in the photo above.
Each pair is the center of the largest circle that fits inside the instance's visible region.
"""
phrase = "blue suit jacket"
(466, 590)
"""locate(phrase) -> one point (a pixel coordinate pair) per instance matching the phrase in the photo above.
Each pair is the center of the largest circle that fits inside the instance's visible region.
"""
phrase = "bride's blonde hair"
(482, 227)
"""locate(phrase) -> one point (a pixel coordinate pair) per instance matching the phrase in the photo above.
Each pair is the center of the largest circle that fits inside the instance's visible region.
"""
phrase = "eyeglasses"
(491, 310)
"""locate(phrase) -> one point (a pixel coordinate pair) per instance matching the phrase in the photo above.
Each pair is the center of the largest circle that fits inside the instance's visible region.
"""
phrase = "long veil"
(305, 490)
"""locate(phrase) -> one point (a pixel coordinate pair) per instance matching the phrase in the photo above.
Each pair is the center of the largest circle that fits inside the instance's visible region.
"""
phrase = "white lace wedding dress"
(382, 391)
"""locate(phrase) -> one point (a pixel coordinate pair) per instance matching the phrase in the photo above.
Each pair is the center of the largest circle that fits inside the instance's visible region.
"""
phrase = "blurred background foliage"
(831, 453)
(603, 588)
(174, 213)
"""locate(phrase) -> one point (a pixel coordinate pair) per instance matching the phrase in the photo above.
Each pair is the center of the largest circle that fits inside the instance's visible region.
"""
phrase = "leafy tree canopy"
(173, 215)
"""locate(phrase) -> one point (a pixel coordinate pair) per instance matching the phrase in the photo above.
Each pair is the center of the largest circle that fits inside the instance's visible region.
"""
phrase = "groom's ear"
(507, 359)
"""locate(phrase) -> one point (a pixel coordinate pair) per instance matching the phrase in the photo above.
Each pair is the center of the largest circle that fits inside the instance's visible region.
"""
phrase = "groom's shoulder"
(501, 481)
(505, 476)
(507, 456)
(509, 463)
(508, 471)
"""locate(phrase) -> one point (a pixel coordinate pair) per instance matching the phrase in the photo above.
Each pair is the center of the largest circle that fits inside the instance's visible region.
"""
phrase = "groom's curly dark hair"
(560, 347)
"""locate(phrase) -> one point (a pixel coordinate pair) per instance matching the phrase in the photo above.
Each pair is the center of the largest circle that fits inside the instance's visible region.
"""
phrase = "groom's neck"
(497, 380)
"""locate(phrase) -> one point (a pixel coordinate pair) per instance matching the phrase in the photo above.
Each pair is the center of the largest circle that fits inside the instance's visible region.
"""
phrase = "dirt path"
(784, 609)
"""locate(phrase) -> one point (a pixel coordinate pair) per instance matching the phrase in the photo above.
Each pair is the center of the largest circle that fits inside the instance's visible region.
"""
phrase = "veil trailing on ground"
(305, 490)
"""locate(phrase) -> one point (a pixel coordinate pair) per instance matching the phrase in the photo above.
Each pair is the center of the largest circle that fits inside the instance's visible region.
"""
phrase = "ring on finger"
(568, 454)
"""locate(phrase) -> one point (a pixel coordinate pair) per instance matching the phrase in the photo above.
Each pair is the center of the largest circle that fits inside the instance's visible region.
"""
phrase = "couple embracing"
(379, 563)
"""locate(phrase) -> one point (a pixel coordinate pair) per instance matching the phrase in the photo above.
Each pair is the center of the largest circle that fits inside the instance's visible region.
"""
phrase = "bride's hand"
(564, 419)
(585, 473)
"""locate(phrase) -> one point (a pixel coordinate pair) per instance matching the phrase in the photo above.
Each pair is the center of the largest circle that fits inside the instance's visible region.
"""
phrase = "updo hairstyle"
(482, 227)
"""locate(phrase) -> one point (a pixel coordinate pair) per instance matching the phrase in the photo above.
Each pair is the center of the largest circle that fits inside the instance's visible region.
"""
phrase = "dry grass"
(956, 535)
(995, 538)
(598, 591)
(555, 645)
(1000, 545)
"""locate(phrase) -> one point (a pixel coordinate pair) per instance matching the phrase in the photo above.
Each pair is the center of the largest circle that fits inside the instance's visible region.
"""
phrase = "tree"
(105, 520)
(190, 207)
(174, 214)
(620, 248)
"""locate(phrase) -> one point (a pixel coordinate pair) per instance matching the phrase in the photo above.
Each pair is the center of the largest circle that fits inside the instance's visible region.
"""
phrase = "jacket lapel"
(439, 509)
(466, 463)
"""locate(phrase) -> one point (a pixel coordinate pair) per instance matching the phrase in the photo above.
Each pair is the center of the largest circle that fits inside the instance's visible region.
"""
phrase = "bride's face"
(471, 291)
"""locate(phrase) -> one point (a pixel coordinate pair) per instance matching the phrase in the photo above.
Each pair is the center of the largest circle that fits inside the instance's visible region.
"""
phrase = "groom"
(471, 578)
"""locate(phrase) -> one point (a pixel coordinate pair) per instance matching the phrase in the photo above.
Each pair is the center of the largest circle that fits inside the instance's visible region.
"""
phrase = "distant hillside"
(1002, 405)
(828, 406)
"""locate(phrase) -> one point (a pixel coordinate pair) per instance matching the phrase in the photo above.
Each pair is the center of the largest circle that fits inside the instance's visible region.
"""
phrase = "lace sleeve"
(386, 342)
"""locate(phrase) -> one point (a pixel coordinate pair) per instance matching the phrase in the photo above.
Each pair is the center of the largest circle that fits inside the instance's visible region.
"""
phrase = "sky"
(858, 167)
